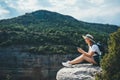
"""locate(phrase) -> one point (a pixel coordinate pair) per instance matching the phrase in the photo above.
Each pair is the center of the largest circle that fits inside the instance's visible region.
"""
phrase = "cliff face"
(78, 72)
(29, 66)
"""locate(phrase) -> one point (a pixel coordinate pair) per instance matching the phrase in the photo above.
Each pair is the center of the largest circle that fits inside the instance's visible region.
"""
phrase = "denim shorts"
(96, 58)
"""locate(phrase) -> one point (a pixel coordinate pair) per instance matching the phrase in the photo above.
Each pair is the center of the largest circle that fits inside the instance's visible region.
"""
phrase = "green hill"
(50, 32)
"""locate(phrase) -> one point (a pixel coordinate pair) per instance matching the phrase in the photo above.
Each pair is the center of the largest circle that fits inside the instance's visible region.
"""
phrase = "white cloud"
(62, 2)
(61, 5)
(24, 5)
(3, 12)
(97, 2)
(110, 12)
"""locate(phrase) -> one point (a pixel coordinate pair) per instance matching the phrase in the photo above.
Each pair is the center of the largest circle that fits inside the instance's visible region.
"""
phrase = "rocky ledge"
(78, 72)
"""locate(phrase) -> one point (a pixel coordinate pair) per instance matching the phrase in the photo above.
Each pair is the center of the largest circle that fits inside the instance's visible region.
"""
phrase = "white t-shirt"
(94, 48)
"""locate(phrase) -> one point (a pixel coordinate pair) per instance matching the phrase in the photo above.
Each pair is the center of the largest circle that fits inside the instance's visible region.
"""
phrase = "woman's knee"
(83, 55)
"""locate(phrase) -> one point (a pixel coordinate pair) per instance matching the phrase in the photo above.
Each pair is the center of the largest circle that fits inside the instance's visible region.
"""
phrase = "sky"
(94, 11)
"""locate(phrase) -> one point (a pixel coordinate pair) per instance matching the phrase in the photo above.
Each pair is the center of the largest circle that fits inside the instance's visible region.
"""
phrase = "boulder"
(78, 72)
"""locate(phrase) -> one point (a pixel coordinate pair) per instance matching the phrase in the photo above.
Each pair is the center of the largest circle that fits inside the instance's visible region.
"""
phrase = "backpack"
(102, 48)
(100, 56)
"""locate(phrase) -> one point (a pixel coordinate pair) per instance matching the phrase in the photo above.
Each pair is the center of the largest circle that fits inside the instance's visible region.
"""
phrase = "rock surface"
(78, 72)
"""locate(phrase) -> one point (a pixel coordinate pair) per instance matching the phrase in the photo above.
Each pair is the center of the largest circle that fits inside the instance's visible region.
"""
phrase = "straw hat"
(89, 36)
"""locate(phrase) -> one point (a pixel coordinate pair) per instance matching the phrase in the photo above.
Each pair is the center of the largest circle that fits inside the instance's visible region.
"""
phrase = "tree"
(111, 62)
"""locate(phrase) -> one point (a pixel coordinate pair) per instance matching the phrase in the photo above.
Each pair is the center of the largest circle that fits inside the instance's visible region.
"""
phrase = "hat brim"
(84, 37)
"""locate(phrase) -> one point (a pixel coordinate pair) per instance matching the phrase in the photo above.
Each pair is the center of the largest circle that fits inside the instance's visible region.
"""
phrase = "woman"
(87, 56)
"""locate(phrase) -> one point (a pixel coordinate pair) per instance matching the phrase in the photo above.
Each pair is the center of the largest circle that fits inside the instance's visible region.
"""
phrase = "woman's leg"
(81, 58)
(90, 59)
(77, 60)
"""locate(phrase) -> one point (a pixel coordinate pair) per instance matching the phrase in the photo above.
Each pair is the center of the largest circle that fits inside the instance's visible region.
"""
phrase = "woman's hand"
(81, 50)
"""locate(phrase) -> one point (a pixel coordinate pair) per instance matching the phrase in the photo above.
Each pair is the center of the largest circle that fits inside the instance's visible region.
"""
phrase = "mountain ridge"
(55, 32)
(54, 18)
(46, 11)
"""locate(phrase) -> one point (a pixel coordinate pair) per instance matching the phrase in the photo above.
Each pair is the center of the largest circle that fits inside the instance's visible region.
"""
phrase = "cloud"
(23, 5)
(45, 3)
(3, 12)
(96, 2)
(62, 2)
(61, 5)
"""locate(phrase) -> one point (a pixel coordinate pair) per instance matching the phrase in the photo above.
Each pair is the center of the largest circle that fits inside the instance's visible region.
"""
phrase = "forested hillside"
(50, 32)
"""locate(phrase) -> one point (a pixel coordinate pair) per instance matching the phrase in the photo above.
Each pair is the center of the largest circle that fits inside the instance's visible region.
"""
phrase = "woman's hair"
(92, 41)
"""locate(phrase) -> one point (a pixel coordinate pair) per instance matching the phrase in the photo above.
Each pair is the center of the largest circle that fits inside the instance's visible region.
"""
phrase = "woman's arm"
(90, 54)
